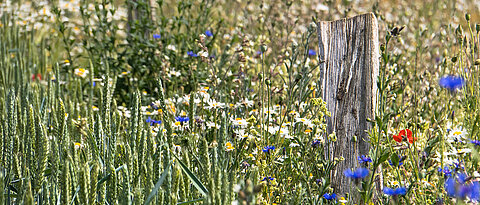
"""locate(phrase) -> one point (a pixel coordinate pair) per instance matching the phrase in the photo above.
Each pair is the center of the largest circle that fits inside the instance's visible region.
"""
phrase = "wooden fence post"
(348, 80)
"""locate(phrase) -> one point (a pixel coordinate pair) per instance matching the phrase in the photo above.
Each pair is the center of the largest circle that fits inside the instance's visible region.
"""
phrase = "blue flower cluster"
(268, 148)
(155, 107)
(461, 188)
(364, 159)
(446, 171)
(156, 36)
(451, 82)
(395, 192)
(359, 173)
(182, 119)
(475, 142)
(267, 179)
(208, 33)
(153, 122)
(316, 143)
(330, 196)
(312, 52)
(192, 54)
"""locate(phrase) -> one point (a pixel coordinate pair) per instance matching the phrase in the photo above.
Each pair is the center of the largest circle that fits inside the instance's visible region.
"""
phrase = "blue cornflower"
(359, 173)
(451, 82)
(475, 142)
(475, 193)
(311, 52)
(364, 159)
(457, 166)
(461, 189)
(155, 107)
(450, 186)
(156, 36)
(259, 52)
(208, 33)
(316, 143)
(330, 196)
(192, 54)
(446, 171)
(182, 119)
(267, 179)
(268, 148)
(395, 192)
(153, 122)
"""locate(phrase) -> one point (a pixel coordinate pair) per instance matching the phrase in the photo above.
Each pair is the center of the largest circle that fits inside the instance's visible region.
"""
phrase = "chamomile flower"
(247, 102)
(78, 145)
(241, 134)
(229, 146)
(212, 104)
(211, 125)
(81, 72)
(456, 135)
(239, 122)
(304, 121)
(172, 47)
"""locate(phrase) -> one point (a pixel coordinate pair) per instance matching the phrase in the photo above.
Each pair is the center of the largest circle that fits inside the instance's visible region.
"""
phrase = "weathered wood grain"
(350, 51)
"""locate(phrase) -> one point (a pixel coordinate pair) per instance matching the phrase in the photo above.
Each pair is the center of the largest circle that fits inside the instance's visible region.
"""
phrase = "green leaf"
(159, 183)
(384, 157)
(192, 201)
(395, 160)
(379, 122)
(75, 195)
(107, 177)
(196, 182)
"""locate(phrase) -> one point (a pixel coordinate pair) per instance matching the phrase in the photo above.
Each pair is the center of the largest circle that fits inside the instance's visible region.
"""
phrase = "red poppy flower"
(410, 137)
(38, 75)
(406, 133)
(398, 138)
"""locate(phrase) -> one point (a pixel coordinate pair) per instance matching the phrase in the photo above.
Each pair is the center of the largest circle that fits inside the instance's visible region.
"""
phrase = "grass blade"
(196, 182)
(159, 183)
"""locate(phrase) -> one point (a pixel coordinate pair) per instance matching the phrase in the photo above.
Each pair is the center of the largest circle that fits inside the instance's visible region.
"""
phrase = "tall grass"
(100, 106)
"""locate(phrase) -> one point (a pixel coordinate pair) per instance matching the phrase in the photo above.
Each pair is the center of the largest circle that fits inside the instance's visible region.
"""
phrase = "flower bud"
(467, 16)
(264, 48)
(459, 30)
(312, 27)
(454, 59)
(477, 62)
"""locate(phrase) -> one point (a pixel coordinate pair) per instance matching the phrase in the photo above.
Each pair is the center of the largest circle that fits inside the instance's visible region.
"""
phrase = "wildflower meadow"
(220, 102)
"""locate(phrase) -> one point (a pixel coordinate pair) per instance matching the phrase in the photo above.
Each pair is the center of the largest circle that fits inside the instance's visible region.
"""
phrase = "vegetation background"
(216, 102)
